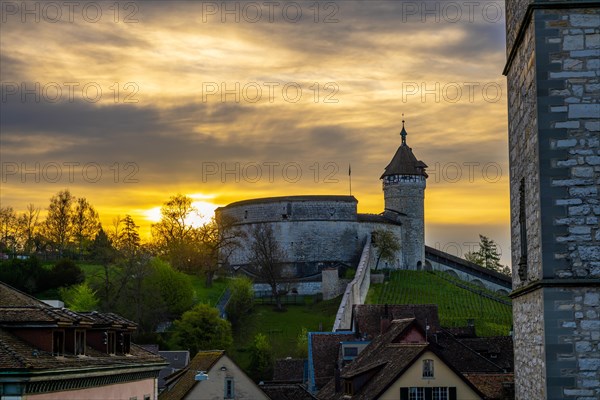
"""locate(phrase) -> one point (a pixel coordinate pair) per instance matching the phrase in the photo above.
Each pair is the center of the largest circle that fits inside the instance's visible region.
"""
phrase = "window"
(229, 388)
(416, 393)
(350, 351)
(58, 343)
(146, 397)
(124, 343)
(79, 343)
(348, 387)
(440, 393)
(427, 368)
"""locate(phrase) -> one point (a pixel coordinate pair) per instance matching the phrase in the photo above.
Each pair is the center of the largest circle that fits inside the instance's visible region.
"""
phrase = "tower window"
(522, 232)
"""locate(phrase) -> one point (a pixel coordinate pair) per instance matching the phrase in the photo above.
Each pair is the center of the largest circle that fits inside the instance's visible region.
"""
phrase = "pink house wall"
(119, 391)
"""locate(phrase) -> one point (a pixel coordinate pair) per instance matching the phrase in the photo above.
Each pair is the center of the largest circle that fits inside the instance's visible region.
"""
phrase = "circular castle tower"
(404, 181)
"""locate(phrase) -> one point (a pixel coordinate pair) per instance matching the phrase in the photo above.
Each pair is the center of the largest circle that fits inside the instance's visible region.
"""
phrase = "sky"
(129, 103)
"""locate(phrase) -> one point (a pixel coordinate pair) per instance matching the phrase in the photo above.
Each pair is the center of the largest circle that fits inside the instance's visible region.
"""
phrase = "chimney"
(385, 320)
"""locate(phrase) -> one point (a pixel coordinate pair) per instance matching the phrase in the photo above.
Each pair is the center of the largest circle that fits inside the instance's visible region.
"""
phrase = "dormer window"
(58, 343)
(427, 368)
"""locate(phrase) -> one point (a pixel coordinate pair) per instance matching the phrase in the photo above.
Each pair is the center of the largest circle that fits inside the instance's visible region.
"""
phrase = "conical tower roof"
(404, 161)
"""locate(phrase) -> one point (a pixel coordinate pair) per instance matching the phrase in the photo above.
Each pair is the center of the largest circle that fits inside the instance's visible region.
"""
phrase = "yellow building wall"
(214, 387)
(443, 376)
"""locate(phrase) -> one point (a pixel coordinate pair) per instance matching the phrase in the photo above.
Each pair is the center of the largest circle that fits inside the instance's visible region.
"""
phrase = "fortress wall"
(436, 266)
(356, 291)
(309, 241)
(248, 212)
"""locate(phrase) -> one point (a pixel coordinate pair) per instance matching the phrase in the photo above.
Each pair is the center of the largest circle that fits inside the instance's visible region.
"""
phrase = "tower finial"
(403, 133)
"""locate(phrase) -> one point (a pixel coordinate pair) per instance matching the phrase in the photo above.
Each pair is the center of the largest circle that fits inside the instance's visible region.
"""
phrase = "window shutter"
(452, 391)
(428, 393)
(403, 393)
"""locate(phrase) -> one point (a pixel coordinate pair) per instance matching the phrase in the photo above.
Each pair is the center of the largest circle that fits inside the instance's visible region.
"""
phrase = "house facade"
(211, 375)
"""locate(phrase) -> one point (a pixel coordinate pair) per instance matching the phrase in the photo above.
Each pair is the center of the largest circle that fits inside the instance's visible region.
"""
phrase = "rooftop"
(404, 161)
(264, 200)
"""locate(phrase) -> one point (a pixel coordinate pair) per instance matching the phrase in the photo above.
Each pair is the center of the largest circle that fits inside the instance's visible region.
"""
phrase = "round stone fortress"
(321, 231)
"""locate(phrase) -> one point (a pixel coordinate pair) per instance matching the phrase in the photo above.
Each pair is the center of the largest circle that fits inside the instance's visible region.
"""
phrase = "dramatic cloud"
(239, 99)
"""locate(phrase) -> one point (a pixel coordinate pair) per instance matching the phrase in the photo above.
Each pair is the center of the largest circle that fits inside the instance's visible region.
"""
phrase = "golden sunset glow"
(225, 110)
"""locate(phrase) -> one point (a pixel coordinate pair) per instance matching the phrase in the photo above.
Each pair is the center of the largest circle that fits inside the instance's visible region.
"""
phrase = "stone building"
(553, 72)
(320, 232)
(316, 231)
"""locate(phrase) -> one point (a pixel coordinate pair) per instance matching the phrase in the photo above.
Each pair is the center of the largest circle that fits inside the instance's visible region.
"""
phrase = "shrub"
(241, 301)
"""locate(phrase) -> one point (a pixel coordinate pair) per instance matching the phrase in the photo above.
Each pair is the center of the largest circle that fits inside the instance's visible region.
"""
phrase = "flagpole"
(350, 178)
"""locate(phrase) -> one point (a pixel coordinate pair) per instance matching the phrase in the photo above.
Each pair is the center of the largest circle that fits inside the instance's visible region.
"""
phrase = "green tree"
(261, 358)
(174, 288)
(487, 256)
(387, 245)
(201, 328)
(79, 297)
(65, 273)
(241, 301)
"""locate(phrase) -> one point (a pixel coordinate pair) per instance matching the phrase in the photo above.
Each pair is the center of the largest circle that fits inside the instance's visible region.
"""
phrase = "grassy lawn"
(209, 295)
(455, 304)
(282, 328)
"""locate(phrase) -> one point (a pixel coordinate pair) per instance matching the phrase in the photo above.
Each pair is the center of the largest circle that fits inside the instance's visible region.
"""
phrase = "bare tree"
(218, 238)
(85, 224)
(8, 229)
(29, 228)
(266, 258)
(58, 224)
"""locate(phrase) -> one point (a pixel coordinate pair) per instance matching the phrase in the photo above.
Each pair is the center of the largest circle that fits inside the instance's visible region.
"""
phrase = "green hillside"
(455, 304)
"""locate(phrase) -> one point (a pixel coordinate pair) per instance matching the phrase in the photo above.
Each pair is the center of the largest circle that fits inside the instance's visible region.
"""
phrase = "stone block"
(592, 299)
(573, 42)
(584, 110)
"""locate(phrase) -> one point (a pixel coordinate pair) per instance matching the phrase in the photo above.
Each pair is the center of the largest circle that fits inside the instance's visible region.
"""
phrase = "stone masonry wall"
(554, 133)
(407, 197)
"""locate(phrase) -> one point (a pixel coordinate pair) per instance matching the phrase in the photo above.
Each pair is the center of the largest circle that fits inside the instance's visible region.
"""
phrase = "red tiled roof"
(383, 361)
(366, 318)
(325, 348)
(16, 354)
(494, 386)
